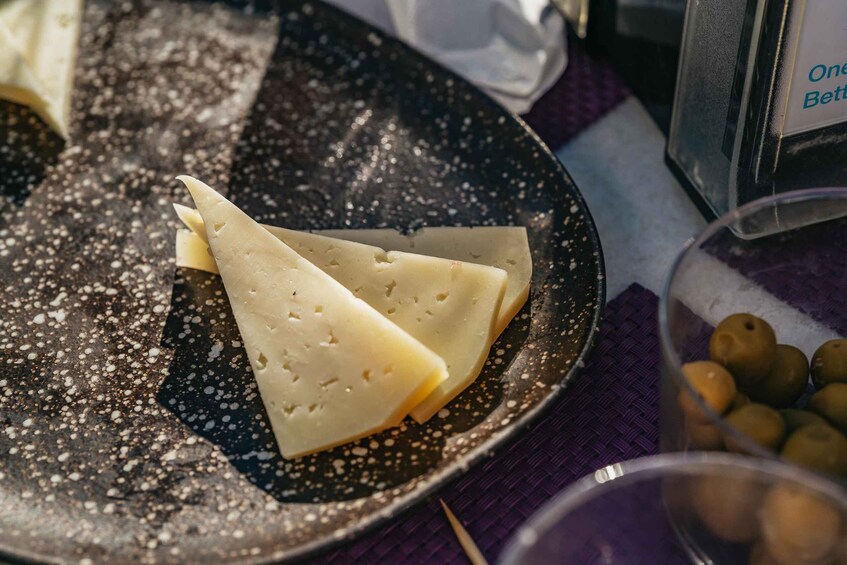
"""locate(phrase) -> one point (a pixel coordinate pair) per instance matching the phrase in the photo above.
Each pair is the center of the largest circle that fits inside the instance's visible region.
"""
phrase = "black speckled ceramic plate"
(130, 425)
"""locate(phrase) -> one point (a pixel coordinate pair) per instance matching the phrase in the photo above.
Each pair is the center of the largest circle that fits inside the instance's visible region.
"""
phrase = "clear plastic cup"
(783, 259)
(689, 507)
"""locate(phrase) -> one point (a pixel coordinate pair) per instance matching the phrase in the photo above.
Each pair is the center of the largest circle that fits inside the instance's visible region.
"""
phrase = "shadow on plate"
(329, 142)
(27, 149)
(211, 389)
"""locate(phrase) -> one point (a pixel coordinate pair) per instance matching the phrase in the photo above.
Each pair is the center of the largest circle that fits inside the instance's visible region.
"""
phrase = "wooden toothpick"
(465, 540)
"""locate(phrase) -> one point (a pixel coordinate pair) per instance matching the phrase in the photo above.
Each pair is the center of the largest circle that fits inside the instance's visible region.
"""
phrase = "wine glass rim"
(668, 352)
(653, 467)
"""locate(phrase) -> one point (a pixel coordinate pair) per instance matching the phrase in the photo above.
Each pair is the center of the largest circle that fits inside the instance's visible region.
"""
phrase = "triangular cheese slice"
(449, 306)
(38, 46)
(505, 247)
(502, 247)
(330, 368)
(193, 252)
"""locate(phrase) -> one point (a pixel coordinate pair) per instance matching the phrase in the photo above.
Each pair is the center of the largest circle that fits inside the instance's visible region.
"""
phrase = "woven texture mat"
(588, 89)
(610, 414)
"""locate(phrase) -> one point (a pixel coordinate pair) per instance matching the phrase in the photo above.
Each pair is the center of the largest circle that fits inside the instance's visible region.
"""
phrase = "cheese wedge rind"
(330, 368)
(449, 306)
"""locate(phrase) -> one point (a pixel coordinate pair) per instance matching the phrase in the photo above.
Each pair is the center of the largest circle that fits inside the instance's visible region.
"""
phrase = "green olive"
(798, 526)
(785, 382)
(759, 555)
(746, 346)
(841, 550)
(831, 403)
(740, 400)
(819, 447)
(829, 363)
(795, 419)
(728, 506)
(704, 437)
(712, 383)
(760, 423)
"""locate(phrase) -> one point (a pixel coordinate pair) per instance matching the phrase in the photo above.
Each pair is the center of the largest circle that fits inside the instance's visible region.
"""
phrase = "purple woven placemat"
(588, 89)
(609, 414)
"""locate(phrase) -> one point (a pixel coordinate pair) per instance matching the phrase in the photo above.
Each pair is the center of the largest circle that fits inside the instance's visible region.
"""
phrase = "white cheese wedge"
(330, 368)
(38, 47)
(193, 251)
(505, 247)
(449, 306)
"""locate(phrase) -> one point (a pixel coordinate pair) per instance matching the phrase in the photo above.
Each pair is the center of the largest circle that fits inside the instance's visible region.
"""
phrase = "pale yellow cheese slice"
(193, 252)
(449, 306)
(38, 47)
(505, 247)
(330, 368)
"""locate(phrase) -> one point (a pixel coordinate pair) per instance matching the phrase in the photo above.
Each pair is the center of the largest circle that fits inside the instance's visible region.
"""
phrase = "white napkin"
(512, 49)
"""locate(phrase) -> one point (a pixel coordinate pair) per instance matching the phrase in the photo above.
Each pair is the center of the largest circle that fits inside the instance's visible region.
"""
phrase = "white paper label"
(818, 94)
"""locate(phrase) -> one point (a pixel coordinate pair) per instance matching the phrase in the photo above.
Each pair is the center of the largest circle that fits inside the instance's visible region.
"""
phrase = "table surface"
(614, 152)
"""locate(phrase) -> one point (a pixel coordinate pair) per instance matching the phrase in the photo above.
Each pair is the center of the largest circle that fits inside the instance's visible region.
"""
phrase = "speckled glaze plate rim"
(498, 440)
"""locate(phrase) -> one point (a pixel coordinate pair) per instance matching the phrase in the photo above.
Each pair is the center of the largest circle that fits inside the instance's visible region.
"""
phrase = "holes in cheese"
(306, 416)
(389, 288)
(412, 290)
(331, 340)
(505, 247)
